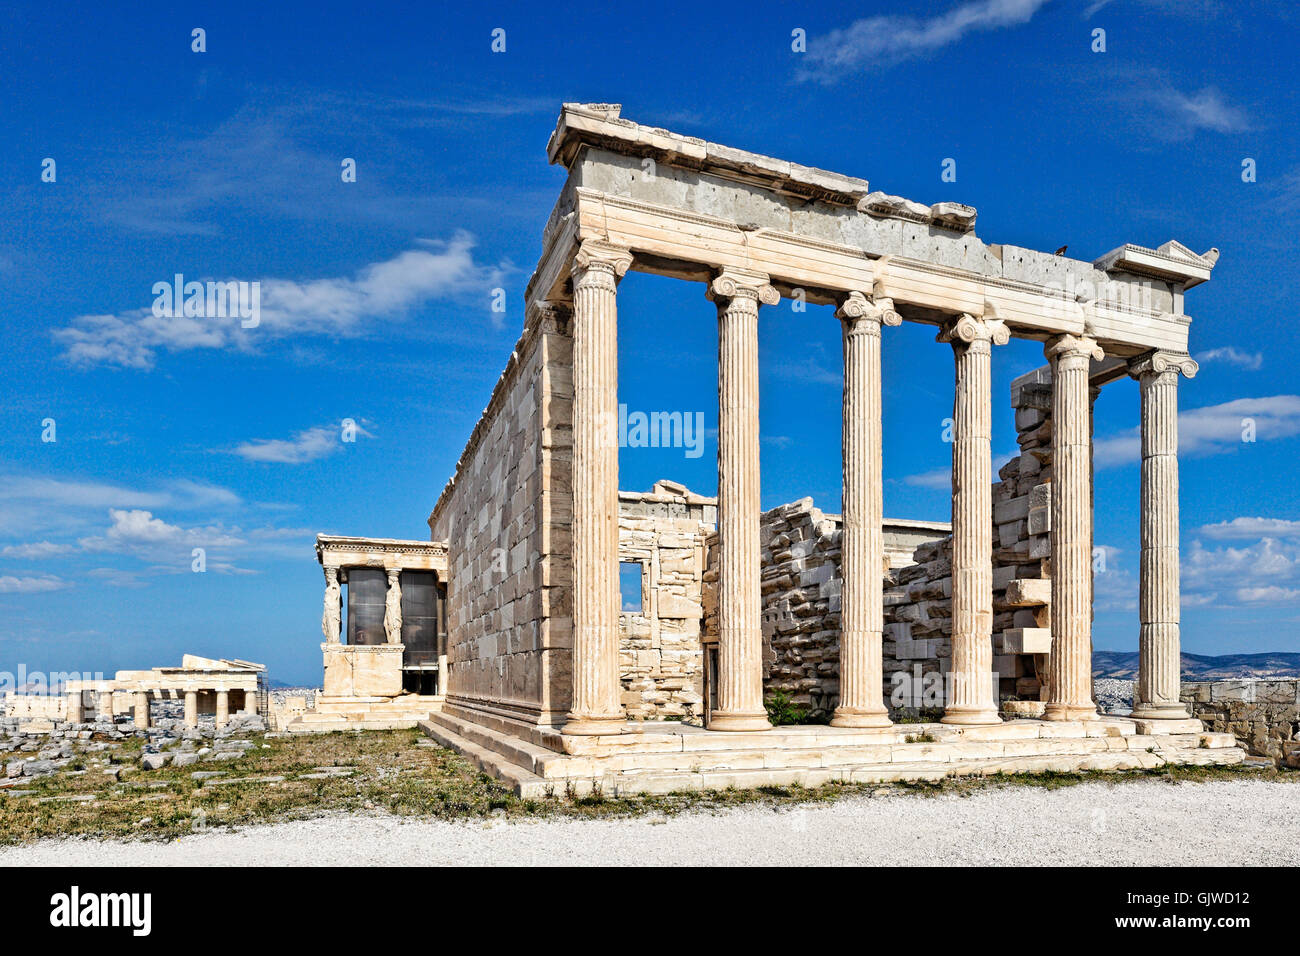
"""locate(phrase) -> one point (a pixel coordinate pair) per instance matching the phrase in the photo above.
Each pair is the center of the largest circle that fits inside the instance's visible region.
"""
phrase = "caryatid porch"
(879, 259)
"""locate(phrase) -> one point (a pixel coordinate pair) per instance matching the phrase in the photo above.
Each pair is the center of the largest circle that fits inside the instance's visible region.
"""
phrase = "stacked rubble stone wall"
(660, 654)
(1263, 714)
(801, 586)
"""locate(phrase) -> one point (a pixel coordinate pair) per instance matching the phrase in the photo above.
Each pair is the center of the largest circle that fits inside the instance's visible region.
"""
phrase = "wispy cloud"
(1172, 114)
(1247, 527)
(36, 550)
(58, 492)
(308, 445)
(941, 478)
(809, 371)
(32, 585)
(1185, 8)
(1211, 430)
(1228, 355)
(881, 41)
(340, 306)
(168, 548)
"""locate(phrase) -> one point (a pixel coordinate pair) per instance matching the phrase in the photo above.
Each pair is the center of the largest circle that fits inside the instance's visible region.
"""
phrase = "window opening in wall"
(629, 586)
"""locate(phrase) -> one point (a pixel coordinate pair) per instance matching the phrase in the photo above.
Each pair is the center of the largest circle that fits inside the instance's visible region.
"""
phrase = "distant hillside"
(1123, 665)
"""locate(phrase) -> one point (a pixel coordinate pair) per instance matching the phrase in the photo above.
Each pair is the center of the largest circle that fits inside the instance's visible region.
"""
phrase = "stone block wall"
(660, 654)
(1263, 714)
(918, 617)
(801, 588)
(28, 706)
(506, 517)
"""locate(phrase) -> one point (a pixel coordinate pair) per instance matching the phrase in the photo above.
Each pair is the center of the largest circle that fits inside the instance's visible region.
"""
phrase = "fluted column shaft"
(1070, 664)
(595, 708)
(740, 636)
(970, 686)
(141, 715)
(191, 708)
(862, 550)
(223, 708)
(1156, 694)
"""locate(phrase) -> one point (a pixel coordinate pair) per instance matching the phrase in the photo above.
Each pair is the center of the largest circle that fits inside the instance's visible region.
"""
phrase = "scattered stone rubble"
(36, 747)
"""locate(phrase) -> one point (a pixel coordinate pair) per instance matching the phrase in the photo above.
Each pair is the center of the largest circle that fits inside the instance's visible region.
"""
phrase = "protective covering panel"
(421, 614)
(367, 589)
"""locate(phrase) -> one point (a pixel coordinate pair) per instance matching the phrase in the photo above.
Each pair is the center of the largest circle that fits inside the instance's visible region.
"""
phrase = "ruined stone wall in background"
(660, 653)
(1263, 714)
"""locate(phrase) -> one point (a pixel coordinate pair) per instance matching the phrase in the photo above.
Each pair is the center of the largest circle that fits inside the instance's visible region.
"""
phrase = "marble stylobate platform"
(663, 758)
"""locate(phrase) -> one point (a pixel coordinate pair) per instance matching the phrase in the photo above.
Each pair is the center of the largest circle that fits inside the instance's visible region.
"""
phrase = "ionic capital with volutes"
(1071, 348)
(856, 310)
(978, 331)
(732, 284)
(1157, 363)
(599, 261)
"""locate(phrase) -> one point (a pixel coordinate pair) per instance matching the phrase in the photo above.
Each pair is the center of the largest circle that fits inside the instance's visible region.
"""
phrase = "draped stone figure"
(332, 617)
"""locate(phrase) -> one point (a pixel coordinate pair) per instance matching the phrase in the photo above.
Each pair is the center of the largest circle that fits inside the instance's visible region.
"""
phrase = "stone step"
(519, 752)
(659, 782)
(525, 783)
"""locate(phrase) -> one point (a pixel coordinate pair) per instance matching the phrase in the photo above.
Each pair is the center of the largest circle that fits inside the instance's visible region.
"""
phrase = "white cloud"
(1211, 430)
(1242, 570)
(1231, 356)
(1169, 113)
(305, 446)
(1245, 527)
(1192, 8)
(1272, 594)
(168, 548)
(33, 585)
(939, 478)
(36, 550)
(343, 306)
(57, 492)
(881, 41)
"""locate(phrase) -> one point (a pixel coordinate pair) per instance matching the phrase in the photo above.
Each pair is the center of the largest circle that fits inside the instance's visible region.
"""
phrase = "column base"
(1159, 712)
(1184, 725)
(970, 716)
(850, 717)
(577, 725)
(1055, 711)
(735, 720)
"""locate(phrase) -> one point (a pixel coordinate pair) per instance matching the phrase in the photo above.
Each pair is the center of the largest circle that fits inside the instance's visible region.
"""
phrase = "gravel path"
(1148, 822)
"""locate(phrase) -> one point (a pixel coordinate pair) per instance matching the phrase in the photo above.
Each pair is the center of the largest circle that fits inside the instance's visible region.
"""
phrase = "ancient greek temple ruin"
(546, 681)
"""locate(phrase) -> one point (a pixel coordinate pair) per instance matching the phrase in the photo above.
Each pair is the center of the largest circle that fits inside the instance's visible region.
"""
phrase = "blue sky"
(225, 164)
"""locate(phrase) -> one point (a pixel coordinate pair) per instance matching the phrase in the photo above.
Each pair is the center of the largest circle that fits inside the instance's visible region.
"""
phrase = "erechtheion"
(522, 657)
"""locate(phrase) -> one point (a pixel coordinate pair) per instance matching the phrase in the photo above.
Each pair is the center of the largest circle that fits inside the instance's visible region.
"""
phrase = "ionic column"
(393, 607)
(970, 682)
(596, 708)
(141, 715)
(104, 704)
(74, 708)
(250, 701)
(191, 708)
(1069, 694)
(223, 708)
(862, 559)
(740, 637)
(332, 616)
(1156, 693)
